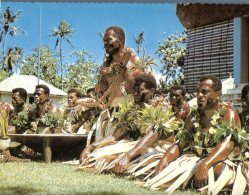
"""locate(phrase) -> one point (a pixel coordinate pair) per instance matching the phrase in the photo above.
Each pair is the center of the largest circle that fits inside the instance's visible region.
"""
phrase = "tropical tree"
(171, 52)
(139, 41)
(145, 61)
(8, 28)
(62, 32)
(48, 65)
(12, 58)
(82, 73)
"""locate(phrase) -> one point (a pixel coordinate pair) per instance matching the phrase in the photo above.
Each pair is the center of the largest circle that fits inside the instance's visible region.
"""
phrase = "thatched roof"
(196, 15)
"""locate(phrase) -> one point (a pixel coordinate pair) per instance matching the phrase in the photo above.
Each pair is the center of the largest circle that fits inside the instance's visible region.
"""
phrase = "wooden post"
(47, 151)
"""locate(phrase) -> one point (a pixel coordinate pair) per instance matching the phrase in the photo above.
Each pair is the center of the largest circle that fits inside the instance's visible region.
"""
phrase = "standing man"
(115, 75)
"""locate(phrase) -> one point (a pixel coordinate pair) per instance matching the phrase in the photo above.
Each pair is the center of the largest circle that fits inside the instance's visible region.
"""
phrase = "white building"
(28, 82)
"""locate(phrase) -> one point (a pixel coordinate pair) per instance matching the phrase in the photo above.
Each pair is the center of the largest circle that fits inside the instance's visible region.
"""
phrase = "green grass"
(58, 178)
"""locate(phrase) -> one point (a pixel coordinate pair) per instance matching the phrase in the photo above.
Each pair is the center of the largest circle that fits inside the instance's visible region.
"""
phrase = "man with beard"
(144, 88)
(208, 100)
(177, 100)
(18, 116)
(116, 74)
(43, 106)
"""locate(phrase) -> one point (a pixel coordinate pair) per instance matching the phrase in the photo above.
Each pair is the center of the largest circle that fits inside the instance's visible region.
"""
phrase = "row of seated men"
(25, 118)
(75, 115)
(208, 104)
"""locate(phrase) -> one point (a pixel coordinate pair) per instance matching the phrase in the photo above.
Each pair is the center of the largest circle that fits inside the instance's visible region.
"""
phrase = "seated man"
(43, 107)
(245, 107)
(177, 100)
(180, 108)
(199, 123)
(144, 88)
(18, 116)
(73, 113)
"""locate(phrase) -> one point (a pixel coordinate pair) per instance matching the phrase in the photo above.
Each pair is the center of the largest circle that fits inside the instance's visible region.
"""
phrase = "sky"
(157, 21)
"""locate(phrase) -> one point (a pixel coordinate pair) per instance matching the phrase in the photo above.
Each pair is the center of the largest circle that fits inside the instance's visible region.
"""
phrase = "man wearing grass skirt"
(156, 134)
(144, 88)
(206, 133)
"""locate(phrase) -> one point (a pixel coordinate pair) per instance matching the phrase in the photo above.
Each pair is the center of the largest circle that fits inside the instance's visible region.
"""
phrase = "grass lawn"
(58, 178)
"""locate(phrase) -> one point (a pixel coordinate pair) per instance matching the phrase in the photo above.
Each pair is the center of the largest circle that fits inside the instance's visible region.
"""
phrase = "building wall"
(210, 51)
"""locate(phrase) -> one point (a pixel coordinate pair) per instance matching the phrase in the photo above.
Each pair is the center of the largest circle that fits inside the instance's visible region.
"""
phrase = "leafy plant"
(82, 73)
(8, 28)
(159, 118)
(48, 65)
(52, 120)
(21, 121)
(172, 51)
(126, 115)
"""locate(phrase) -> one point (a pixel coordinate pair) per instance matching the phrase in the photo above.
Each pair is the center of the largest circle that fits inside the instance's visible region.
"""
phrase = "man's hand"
(84, 155)
(201, 175)
(122, 165)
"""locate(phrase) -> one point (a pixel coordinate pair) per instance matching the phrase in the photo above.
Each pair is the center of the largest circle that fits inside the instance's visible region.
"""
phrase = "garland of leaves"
(52, 120)
(200, 140)
(21, 120)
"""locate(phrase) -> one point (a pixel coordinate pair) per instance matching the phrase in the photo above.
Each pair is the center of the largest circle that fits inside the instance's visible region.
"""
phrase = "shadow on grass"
(18, 190)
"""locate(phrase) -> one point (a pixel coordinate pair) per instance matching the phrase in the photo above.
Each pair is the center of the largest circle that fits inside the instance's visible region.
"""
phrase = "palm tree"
(8, 28)
(12, 58)
(62, 32)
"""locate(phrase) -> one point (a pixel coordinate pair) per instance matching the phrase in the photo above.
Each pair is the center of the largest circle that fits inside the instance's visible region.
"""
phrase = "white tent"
(28, 82)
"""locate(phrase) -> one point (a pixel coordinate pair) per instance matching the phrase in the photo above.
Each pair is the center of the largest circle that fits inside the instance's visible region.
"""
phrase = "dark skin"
(41, 101)
(122, 64)
(176, 99)
(178, 103)
(141, 95)
(147, 141)
(150, 138)
(120, 134)
(208, 101)
(72, 102)
(18, 104)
